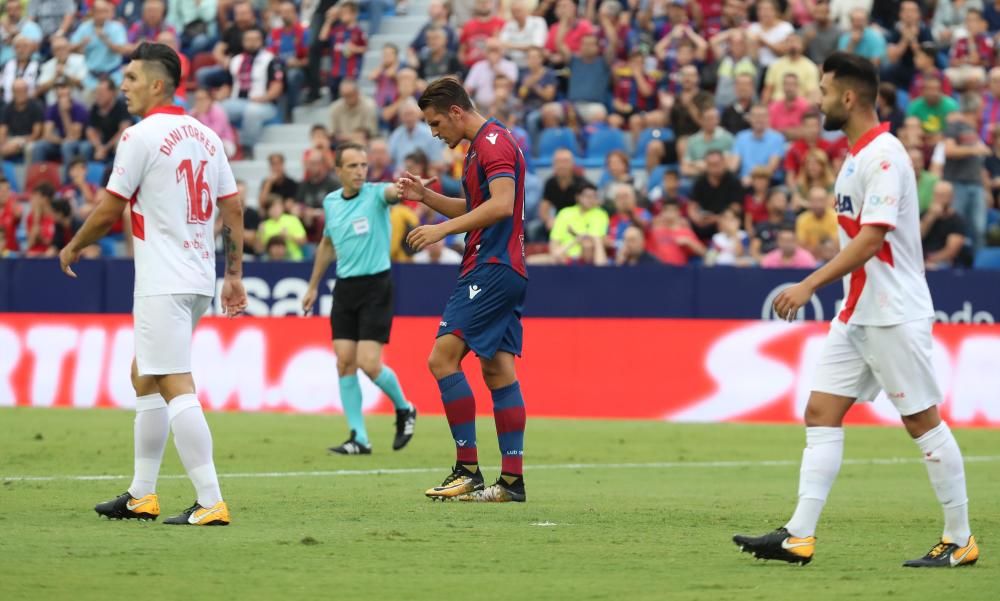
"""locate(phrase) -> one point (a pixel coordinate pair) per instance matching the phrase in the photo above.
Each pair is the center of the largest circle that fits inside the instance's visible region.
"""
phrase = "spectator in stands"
(633, 249)
(735, 116)
(320, 145)
(786, 114)
(437, 254)
(627, 212)
(505, 101)
(276, 249)
(972, 55)
(755, 202)
(949, 17)
(21, 125)
(211, 113)
(438, 60)
(402, 220)
(568, 31)
(932, 107)
(380, 167)
(81, 194)
(585, 219)
(384, 76)
(14, 24)
(685, 108)
(925, 179)
(280, 222)
(62, 131)
(759, 146)
(793, 62)
(480, 79)
(679, 34)
(818, 223)
(230, 45)
(413, 134)
(617, 170)
(40, 223)
(591, 80)
(258, 81)
(714, 191)
(102, 41)
(904, 43)
(536, 87)
(812, 138)
(671, 239)
(22, 67)
(925, 68)
(63, 66)
(522, 32)
(964, 155)
(485, 25)
(406, 90)
(735, 61)
(709, 138)
(10, 217)
(347, 43)
(196, 24)
(290, 43)
(560, 189)
(730, 245)
(353, 111)
(778, 217)
(861, 39)
(614, 28)
(439, 12)
(278, 183)
(668, 189)
(788, 254)
(887, 107)
(822, 35)
(108, 118)
(634, 87)
(5, 253)
(943, 231)
(815, 173)
(990, 118)
(149, 27)
(318, 182)
(769, 33)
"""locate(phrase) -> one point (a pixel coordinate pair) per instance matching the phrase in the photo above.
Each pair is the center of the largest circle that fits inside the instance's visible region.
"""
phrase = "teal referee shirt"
(360, 230)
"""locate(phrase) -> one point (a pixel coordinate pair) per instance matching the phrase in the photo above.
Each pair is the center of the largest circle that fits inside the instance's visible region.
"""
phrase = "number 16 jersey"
(172, 170)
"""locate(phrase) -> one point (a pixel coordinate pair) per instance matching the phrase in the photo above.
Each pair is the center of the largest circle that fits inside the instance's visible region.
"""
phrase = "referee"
(357, 226)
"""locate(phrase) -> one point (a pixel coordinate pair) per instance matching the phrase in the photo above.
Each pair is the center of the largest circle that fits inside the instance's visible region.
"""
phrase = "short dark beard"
(831, 123)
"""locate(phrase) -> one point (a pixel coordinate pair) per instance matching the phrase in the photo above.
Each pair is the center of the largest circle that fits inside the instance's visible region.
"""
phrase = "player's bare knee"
(441, 365)
(818, 416)
(921, 423)
(372, 366)
(346, 367)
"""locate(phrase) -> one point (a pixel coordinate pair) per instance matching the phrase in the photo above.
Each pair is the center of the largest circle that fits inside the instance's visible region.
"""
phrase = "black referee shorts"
(362, 308)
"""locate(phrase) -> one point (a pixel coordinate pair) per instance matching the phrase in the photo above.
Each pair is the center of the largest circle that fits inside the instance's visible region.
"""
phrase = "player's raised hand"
(791, 299)
(309, 300)
(411, 187)
(67, 257)
(423, 236)
(234, 297)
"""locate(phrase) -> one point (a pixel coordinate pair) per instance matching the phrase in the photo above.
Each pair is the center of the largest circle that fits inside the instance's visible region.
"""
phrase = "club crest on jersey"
(844, 204)
(849, 169)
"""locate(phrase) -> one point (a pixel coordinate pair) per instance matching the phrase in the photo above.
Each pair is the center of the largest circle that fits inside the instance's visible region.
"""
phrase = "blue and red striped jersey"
(494, 153)
(341, 64)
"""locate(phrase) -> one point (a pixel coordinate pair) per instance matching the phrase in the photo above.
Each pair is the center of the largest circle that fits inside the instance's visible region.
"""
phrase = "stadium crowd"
(657, 131)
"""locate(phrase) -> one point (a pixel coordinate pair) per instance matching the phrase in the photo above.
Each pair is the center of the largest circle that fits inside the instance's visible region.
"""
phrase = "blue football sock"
(389, 384)
(350, 400)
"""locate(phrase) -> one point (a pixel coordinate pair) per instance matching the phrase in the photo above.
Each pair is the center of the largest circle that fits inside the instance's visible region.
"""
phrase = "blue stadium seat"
(648, 135)
(992, 218)
(95, 173)
(603, 142)
(552, 140)
(10, 172)
(656, 177)
(987, 258)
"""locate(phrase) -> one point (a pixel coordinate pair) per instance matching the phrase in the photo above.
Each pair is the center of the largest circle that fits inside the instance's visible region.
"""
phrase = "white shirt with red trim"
(877, 186)
(172, 170)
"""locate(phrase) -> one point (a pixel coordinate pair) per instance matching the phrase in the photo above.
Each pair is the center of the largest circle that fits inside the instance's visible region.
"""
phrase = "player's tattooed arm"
(232, 235)
(233, 258)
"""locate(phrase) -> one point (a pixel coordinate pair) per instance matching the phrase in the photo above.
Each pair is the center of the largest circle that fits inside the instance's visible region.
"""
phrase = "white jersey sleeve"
(226, 186)
(883, 191)
(130, 166)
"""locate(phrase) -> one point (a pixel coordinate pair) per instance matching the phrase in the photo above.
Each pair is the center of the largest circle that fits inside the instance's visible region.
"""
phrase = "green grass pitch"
(616, 510)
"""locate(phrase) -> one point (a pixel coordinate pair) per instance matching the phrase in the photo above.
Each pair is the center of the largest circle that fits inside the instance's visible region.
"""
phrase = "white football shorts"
(859, 361)
(163, 327)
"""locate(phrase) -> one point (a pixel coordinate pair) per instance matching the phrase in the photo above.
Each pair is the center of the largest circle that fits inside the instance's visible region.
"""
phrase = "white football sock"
(194, 444)
(152, 426)
(947, 472)
(821, 461)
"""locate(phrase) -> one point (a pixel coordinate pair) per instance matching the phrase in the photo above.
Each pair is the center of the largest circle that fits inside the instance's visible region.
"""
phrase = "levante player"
(484, 312)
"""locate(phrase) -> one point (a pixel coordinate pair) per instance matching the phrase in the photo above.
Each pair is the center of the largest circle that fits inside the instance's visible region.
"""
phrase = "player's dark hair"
(164, 57)
(444, 94)
(858, 73)
(344, 147)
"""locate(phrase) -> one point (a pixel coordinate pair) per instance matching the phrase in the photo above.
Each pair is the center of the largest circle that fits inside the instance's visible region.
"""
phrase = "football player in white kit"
(881, 340)
(173, 173)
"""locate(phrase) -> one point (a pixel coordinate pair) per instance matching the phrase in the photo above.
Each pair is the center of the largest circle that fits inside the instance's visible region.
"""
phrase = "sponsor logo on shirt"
(492, 138)
(881, 201)
(474, 291)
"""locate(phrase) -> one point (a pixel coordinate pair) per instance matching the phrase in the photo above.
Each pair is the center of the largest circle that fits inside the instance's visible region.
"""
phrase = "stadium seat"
(10, 172)
(42, 172)
(601, 143)
(95, 173)
(204, 59)
(987, 258)
(552, 140)
(648, 135)
(656, 177)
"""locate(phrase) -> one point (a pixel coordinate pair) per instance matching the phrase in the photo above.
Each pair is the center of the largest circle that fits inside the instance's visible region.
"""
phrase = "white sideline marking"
(555, 466)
